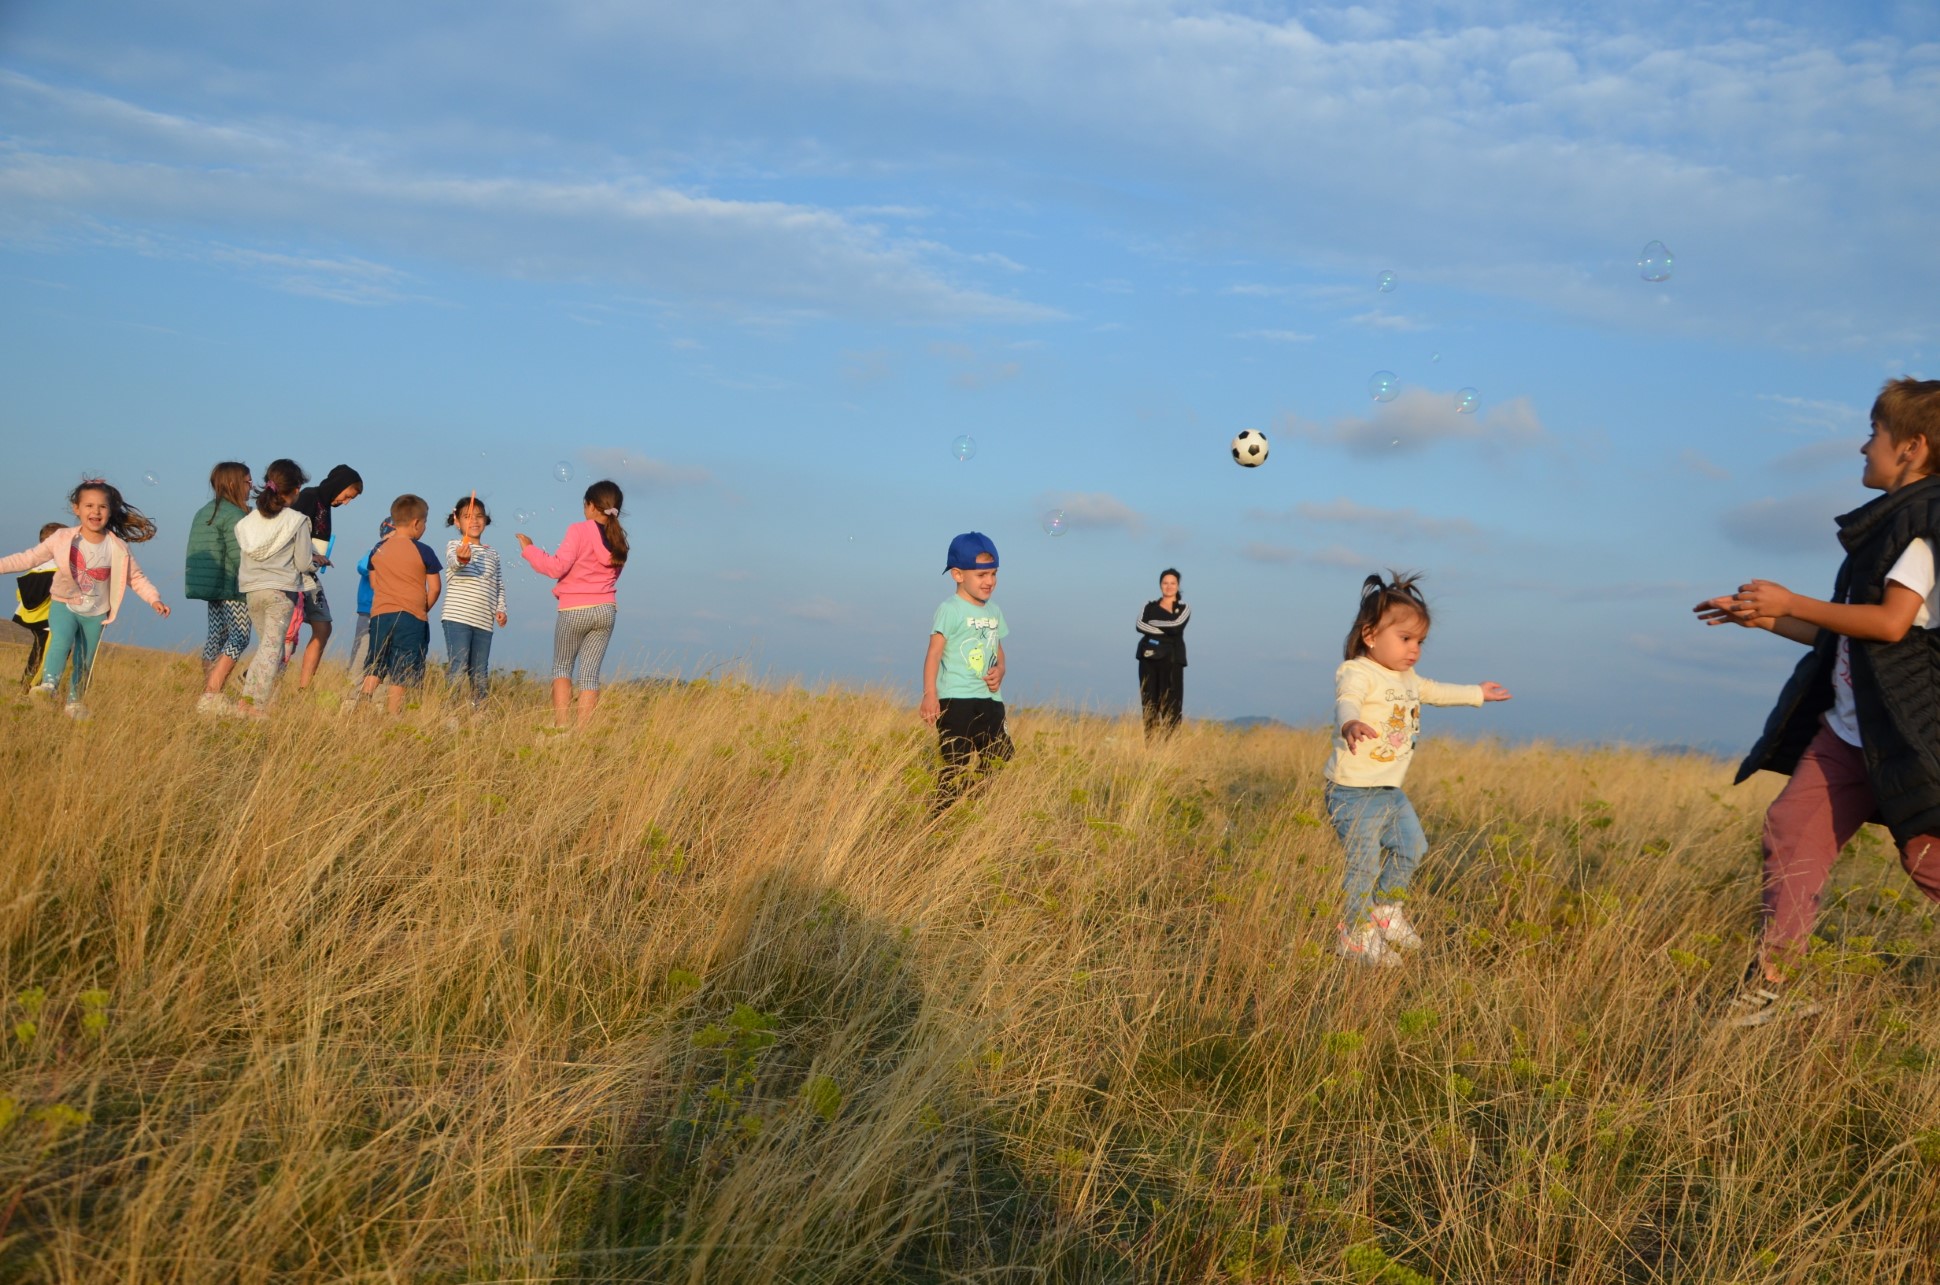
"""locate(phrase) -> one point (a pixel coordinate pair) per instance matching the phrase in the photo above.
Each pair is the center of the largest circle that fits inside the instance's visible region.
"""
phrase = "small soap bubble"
(1385, 283)
(1466, 401)
(1384, 386)
(1654, 264)
(520, 515)
(563, 471)
(1054, 522)
(150, 478)
(963, 448)
(1434, 356)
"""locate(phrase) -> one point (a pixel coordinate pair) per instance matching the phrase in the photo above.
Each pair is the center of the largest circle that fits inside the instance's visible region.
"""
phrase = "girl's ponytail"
(606, 498)
(281, 481)
(1401, 590)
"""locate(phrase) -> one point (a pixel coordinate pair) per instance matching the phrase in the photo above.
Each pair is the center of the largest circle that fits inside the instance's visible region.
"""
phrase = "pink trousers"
(1817, 814)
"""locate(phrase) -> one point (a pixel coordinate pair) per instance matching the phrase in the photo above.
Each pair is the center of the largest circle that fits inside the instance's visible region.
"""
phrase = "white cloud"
(1798, 523)
(624, 465)
(1094, 509)
(821, 611)
(1420, 417)
(115, 171)
(1395, 321)
(1276, 336)
(1404, 523)
(1697, 462)
(1332, 555)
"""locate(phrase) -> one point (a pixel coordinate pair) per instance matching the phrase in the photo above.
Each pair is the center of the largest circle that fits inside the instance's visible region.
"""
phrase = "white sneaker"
(77, 711)
(41, 691)
(1395, 928)
(1365, 946)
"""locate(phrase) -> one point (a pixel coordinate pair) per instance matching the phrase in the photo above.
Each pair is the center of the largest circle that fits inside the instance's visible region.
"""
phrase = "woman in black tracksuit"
(1162, 656)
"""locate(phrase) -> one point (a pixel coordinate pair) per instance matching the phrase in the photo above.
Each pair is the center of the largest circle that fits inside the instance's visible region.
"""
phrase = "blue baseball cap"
(965, 550)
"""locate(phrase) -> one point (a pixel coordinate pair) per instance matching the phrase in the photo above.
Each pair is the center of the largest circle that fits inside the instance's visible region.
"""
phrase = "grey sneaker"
(1760, 1002)
(1365, 945)
(1395, 928)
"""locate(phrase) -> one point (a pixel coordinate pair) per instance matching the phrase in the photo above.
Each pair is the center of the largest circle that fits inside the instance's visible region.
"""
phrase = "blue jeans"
(398, 642)
(1384, 842)
(470, 651)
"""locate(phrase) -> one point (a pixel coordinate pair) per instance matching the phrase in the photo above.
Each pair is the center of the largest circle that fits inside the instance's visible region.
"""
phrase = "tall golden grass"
(706, 995)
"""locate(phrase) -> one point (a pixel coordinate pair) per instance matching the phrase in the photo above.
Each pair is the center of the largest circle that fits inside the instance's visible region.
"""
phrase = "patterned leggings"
(579, 639)
(228, 631)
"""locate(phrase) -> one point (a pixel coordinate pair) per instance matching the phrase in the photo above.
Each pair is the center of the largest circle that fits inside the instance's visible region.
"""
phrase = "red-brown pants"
(1817, 814)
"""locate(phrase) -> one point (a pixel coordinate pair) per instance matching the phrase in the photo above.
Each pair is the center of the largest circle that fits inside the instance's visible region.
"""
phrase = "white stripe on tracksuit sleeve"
(475, 591)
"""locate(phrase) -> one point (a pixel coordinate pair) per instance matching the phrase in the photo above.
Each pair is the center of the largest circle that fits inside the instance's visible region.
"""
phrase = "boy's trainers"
(1760, 1002)
(77, 711)
(1365, 945)
(41, 691)
(1395, 928)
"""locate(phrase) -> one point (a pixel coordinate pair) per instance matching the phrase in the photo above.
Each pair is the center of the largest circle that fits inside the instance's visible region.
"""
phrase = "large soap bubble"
(1466, 401)
(1384, 386)
(1385, 283)
(1055, 523)
(563, 471)
(1654, 263)
(963, 448)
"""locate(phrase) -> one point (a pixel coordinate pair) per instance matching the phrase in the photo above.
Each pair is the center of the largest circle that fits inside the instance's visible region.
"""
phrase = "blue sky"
(763, 267)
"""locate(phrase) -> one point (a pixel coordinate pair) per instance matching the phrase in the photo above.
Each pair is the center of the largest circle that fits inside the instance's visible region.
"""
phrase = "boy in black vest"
(1858, 725)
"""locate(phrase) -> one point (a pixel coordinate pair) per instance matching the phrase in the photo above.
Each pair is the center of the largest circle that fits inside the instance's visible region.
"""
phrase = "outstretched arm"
(1765, 600)
(931, 709)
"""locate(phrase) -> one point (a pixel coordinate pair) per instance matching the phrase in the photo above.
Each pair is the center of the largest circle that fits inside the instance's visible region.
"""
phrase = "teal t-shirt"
(970, 633)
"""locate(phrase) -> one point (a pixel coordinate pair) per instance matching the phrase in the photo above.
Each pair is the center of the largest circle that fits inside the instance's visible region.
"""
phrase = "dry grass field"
(705, 995)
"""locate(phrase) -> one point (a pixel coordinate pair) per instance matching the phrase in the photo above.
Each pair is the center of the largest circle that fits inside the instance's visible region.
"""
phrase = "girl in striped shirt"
(474, 597)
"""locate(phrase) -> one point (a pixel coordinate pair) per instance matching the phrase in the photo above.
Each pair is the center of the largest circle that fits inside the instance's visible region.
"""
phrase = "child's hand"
(317, 559)
(1764, 598)
(1355, 731)
(464, 554)
(525, 541)
(501, 620)
(1727, 611)
(931, 709)
(1494, 692)
(161, 609)
(993, 678)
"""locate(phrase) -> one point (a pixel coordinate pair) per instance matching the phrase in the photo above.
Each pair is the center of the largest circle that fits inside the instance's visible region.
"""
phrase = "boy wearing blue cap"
(963, 671)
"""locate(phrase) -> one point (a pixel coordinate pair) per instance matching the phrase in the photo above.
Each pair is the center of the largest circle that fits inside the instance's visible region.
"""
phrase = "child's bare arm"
(432, 584)
(993, 677)
(931, 709)
(1885, 622)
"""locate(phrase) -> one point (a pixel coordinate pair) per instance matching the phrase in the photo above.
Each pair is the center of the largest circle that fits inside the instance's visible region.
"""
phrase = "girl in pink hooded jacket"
(587, 568)
(93, 569)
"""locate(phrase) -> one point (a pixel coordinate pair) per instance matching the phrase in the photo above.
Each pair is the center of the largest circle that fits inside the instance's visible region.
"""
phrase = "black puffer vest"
(1896, 686)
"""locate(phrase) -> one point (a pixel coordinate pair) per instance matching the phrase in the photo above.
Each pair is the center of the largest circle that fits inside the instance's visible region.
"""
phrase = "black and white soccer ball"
(1249, 448)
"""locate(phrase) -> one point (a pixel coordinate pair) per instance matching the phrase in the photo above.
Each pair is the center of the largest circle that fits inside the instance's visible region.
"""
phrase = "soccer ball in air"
(1249, 448)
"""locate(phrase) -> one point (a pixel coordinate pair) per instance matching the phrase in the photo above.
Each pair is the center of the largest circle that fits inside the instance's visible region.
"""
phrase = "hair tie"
(611, 513)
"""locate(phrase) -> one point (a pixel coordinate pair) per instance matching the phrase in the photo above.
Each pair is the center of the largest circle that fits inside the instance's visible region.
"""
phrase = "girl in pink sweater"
(93, 569)
(587, 567)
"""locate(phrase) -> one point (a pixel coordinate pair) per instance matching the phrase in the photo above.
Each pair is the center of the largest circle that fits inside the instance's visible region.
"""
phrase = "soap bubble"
(1385, 283)
(150, 478)
(1434, 356)
(520, 515)
(1384, 387)
(1654, 263)
(1054, 522)
(563, 471)
(1466, 401)
(963, 448)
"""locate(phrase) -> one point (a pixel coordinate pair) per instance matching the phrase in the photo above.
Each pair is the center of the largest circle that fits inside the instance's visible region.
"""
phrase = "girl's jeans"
(470, 650)
(67, 632)
(1378, 828)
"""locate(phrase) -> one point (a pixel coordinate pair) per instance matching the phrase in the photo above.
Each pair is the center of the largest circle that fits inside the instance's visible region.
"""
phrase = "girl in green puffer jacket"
(211, 576)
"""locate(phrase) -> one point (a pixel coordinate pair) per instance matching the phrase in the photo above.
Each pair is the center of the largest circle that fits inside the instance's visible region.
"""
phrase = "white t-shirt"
(1914, 570)
(93, 599)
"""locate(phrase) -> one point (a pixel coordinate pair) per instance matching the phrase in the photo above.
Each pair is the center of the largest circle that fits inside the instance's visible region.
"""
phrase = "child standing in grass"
(587, 567)
(963, 670)
(1856, 727)
(276, 556)
(214, 557)
(404, 581)
(339, 487)
(360, 640)
(93, 568)
(1377, 717)
(474, 596)
(33, 595)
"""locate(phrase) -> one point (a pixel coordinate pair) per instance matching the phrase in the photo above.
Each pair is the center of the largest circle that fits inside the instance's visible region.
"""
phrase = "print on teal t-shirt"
(970, 633)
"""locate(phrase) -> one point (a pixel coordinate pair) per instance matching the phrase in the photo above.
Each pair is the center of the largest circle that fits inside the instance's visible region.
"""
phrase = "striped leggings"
(228, 630)
(579, 639)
